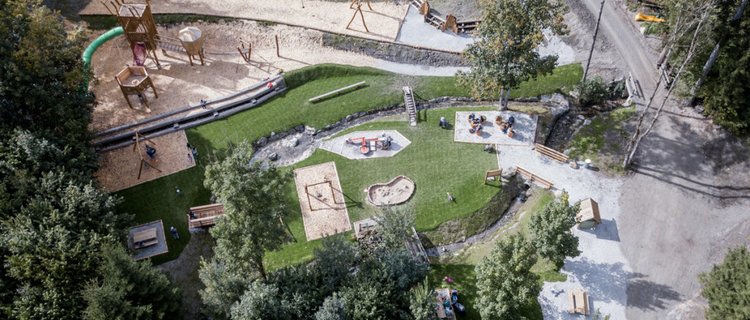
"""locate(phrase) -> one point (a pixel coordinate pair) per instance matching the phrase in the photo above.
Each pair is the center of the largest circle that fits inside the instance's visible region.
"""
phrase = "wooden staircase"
(544, 183)
(551, 153)
(411, 106)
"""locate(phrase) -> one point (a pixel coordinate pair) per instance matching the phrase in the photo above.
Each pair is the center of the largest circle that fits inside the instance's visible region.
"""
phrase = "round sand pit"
(396, 191)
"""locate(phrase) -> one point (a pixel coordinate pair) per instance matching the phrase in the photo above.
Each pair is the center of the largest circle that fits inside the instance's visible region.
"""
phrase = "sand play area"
(524, 128)
(396, 191)
(321, 200)
(118, 169)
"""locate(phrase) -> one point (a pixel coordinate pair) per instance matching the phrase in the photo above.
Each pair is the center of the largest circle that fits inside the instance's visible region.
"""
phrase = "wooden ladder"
(411, 106)
(552, 153)
(544, 183)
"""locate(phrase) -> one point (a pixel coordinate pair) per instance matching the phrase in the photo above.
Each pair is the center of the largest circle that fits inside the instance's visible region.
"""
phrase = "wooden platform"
(205, 216)
(551, 153)
(544, 183)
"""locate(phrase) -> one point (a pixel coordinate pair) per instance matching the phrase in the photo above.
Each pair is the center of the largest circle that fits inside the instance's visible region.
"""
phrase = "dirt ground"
(118, 169)
(183, 272)
(383, 21)
(179, 84)
(396, 191)
(322, 204)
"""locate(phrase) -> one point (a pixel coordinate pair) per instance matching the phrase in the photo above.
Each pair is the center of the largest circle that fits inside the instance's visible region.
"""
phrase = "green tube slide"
(112, 33)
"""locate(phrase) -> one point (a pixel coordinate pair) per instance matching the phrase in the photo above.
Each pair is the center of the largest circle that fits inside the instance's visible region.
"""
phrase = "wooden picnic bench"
(205, 216)
(579, 302)
(145, 238)
(551, 153)
(544, 183)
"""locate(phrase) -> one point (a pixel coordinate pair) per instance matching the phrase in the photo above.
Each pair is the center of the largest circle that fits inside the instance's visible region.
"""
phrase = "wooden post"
(277, 45)
(362, 15)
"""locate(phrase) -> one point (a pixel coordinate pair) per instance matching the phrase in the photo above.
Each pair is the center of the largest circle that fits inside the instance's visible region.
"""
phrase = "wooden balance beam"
(551, 153)
(534, 178)
(337, 92)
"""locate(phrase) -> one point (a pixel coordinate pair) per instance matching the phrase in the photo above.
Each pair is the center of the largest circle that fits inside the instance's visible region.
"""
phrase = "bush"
(592, 91)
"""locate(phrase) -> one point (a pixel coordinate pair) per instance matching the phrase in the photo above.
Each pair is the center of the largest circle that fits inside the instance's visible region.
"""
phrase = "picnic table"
(144, 238)
(443, 295)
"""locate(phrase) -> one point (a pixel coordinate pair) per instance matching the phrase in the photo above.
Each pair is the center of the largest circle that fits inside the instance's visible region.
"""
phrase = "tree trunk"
(502, 94)
(505, 99)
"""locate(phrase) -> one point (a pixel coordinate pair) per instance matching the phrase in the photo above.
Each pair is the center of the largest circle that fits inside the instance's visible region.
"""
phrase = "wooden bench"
(579, 302)
(205, 216)
(145, 238)
(551, 153)
(534, 178)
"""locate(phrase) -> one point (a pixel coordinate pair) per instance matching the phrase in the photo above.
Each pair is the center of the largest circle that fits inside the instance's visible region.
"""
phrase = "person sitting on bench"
(511, 121)
(191, 214)
(151, 152)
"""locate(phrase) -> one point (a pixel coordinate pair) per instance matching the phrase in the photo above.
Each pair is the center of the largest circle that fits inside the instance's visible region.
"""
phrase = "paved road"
(688, 200)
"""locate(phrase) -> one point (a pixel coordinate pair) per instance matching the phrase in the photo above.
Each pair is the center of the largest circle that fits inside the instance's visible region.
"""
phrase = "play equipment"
(398, 190)
(89, 52)
(551, 153)
(192, 40)
(544, 183)
(411, 106)
(149, 158)
(135, 81)
(383, 142)
(245, 53)
(648, 18)
(138, 24)
(139, 54)
(358, 4)
(338, 92)
(323, 192)
(204, 216)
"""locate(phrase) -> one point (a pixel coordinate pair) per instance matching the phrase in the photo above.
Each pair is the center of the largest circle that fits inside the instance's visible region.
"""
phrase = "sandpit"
(321, 201)
(118, 168)
(396, 191)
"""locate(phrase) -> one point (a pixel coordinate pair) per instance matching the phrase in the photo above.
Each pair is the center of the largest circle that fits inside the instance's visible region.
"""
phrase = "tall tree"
(260, 302)
(504, 54)
(222, 287)
(505, 281)
(254, 204)
(333, 309)
(422, 302)
(43, 85)
(727, 287)
(51, 246)
(129, 289)
(551, 234)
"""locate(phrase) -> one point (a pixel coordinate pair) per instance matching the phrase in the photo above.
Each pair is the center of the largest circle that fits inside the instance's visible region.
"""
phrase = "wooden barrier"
(551, 153)
(492, 174)
(205, 216)
(337, 92)
(544, 183)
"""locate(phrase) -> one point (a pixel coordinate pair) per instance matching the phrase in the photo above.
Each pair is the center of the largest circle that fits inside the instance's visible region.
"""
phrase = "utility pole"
(591, 52)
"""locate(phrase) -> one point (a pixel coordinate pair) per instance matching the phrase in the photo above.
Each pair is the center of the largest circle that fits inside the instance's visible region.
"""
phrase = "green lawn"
(158, 200)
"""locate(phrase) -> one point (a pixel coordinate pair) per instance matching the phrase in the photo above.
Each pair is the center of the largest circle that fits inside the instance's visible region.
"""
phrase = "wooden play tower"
(138, 23)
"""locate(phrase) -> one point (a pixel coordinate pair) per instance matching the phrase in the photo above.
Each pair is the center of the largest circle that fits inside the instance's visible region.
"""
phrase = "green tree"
(51, 246)
(422, 302)
(505, 282)
(592, 92)
(260, 302)
(334, 260)
(333, 308)
(254, 204)
(394, 226)
(727, 286)
(504, 54)
(129, 289)
(551, 234)
(43, 86)
(222, 287)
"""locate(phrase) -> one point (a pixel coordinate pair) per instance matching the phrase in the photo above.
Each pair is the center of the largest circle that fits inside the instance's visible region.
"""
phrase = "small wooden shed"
(588, 215)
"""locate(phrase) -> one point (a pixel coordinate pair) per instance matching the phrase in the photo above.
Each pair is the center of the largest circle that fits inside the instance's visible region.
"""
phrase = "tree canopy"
(504, 279)
(727, 287)
(504, 54)
(551, 233)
